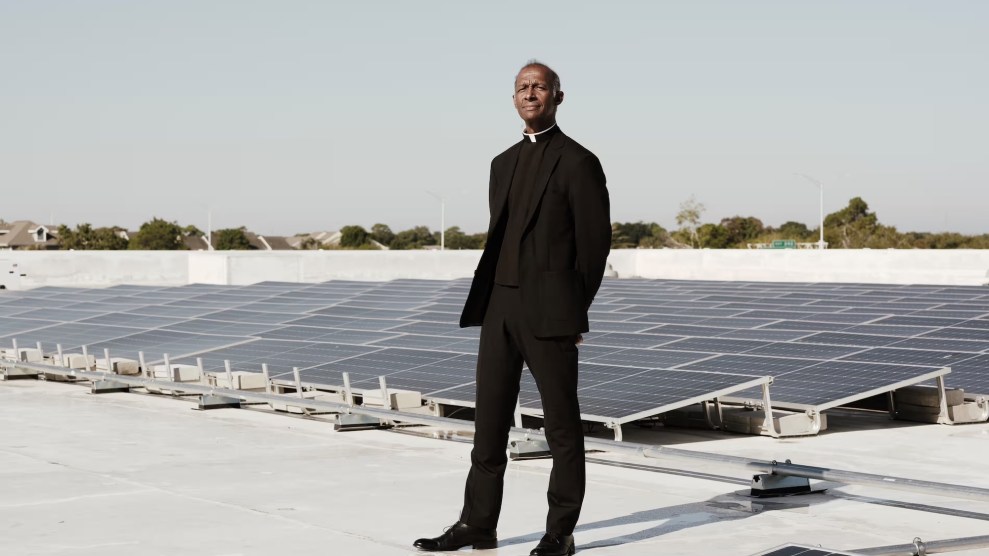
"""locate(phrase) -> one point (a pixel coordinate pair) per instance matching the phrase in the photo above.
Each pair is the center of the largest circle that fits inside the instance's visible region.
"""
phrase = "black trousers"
(506, 342)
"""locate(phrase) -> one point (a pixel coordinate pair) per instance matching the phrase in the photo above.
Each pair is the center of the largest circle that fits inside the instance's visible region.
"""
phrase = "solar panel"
(653, 391)
(812, 337)
(834, 383)
(70, 336)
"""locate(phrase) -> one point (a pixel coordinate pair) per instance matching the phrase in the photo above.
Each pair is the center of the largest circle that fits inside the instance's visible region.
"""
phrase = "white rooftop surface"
(132, 474)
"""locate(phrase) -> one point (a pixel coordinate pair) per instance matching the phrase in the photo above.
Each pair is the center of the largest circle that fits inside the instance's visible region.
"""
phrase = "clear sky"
(292, 116)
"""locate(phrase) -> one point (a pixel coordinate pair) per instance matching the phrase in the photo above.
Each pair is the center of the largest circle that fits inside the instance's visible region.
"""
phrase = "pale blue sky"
(297, 116)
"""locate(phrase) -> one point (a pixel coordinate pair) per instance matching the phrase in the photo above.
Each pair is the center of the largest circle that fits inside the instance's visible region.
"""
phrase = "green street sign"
(784, 244)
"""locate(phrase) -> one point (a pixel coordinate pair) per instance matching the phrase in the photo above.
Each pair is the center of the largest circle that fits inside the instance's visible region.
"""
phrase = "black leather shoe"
(554, 545)
(458, 536)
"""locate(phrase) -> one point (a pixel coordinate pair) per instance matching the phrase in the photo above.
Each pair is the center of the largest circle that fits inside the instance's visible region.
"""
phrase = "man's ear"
(559, 97)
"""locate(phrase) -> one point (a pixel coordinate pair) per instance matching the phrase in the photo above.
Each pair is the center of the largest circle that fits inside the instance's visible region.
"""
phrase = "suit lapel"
(504, 179)
(546, 167)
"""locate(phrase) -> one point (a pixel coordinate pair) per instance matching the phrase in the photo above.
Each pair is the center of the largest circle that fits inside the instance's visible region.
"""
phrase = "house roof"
(20, 233)
(278, 243)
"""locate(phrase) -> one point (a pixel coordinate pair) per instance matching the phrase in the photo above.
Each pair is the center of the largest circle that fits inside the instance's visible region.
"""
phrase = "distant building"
(24, 234)
(276, 243)
(315, 240)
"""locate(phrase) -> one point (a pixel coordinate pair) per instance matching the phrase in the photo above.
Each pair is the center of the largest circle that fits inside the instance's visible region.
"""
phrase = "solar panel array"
(655, 344)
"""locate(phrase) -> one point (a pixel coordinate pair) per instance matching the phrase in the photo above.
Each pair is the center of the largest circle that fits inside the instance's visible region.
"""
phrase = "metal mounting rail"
(920, 547)
(644, 450)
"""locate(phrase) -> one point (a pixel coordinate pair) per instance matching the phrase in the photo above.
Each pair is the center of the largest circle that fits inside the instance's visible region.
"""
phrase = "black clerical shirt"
(519, 197)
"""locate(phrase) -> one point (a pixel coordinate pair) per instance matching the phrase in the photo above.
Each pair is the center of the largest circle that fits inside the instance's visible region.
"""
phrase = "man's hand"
(578, 340)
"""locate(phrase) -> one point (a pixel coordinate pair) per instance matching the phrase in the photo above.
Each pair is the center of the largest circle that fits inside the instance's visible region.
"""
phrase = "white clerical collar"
(534, 137)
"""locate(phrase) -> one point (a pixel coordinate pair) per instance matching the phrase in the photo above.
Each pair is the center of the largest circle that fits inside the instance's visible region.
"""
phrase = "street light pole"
(820, 243)
(442, 219)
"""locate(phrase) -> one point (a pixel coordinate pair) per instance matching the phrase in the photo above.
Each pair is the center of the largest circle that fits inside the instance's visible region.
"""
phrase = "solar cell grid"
(60, 315)
(889, 330)
(814, 326)
(910, 320)
(171, 311)
(687, 330)
(958, 333)
(33, 303)
(12, 326)
(846, 339)
(70, 335)
(205, 326)
(749, 364)
(641, 394)
(622, 340)
(666, 319)
(715, 345)
(941, 344)
(833, 383)
(648, 358)
(910, 357)
(156, 343)
(805, 351)
(735, 322)
(131, 320)
(767, 335)
(843, 318)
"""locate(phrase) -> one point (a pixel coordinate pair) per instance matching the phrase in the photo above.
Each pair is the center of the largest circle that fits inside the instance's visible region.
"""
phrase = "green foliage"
(85, 237)
(353, 237)
(158, 234)
(382, 234)
(629, 235)
(456, 239)
(191, 230)
(741, 230)
(231, 239)
(795, 230)
(415, 238)
(713, 236)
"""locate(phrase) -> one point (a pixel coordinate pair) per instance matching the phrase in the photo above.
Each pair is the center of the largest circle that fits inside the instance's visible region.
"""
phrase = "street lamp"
(442, 219)
(820, 243)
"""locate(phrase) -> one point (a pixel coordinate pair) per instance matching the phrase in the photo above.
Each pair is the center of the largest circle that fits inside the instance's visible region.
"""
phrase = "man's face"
(534, 98)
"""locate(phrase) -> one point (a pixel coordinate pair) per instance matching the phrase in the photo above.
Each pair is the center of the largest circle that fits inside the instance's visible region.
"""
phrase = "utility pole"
(820, 186)
(442, 219)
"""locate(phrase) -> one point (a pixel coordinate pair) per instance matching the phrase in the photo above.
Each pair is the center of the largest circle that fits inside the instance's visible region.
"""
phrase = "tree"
(415, 238)
(85, 237)
(158, 234)
(794, 230)
(713, 236)
(353, 237)
(191, 230)
(741, 230)
(232, 239)
(382, 234)
(456, 239)
(689, 218)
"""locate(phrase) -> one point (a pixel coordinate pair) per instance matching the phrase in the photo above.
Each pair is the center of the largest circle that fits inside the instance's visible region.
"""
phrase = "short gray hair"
(553, 76)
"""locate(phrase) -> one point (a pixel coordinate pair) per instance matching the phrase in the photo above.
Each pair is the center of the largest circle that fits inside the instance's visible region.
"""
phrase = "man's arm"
(592, 223)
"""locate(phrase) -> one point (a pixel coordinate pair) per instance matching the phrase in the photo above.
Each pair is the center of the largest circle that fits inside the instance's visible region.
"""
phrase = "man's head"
(537, 94)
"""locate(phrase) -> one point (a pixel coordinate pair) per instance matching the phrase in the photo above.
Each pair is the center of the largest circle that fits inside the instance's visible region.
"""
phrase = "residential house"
(24, 234)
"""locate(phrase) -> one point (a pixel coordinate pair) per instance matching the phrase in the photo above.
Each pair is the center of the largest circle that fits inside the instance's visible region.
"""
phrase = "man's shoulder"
(574, 151)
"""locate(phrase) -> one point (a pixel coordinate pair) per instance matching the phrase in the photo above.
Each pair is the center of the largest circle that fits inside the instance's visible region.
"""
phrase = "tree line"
(853, 227)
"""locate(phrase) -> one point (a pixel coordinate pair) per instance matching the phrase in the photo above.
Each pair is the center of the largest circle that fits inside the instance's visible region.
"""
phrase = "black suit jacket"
(565, 243)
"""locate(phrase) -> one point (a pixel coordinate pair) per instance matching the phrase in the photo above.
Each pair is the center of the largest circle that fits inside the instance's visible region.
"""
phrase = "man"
(548, 241)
